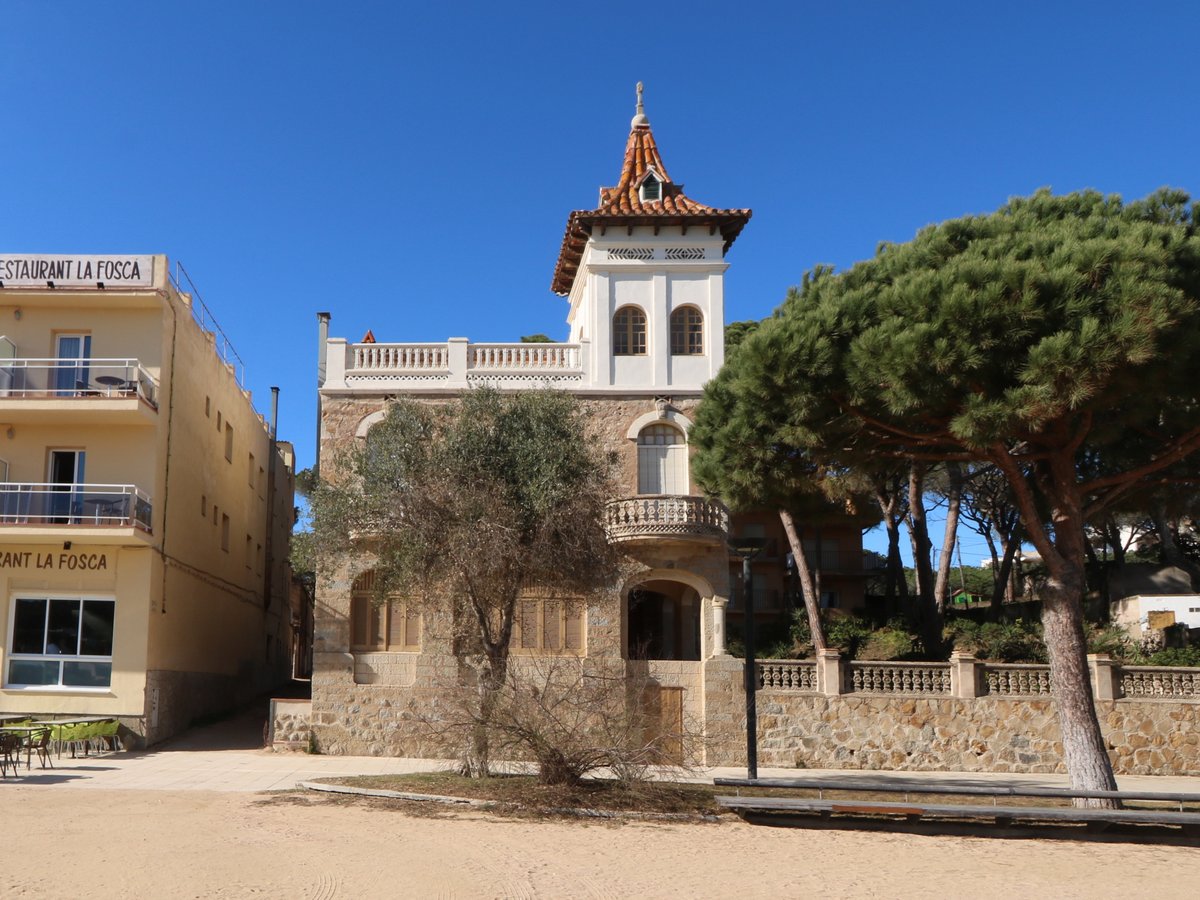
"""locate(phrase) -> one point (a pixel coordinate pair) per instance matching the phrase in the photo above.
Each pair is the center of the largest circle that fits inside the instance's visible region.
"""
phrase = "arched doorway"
(664, 621)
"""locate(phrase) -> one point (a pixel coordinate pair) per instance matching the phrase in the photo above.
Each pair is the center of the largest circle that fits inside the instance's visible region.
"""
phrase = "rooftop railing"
(74, 504)
(77, 378)
(458, 362)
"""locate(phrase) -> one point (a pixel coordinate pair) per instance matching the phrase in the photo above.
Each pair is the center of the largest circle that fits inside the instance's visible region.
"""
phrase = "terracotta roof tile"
(622, 204)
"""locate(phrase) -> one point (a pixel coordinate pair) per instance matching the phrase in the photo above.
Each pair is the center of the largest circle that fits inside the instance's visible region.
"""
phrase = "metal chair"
(10, 752)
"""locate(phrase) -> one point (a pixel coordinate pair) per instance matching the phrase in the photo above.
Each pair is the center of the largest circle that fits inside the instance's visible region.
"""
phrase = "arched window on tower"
(662, 460)
(687, 332)
(629, 332)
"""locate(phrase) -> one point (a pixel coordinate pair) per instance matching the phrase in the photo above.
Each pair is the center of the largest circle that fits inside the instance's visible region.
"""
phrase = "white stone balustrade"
(638, 518)
(454, 364)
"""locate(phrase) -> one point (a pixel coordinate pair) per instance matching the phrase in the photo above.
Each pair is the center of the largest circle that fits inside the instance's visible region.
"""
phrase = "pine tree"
(1058, 339)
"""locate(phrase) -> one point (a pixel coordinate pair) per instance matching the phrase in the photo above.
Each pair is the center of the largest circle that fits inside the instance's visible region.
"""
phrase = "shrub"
(1176, 656)
(1017, 641)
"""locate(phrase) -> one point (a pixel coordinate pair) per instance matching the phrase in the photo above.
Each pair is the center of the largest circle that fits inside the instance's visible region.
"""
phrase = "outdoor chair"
(39, 742)
(10, 752)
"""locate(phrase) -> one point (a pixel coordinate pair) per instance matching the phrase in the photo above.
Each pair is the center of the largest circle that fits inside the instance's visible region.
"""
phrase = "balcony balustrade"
(456, 362)
(74, 504)
(666, 517)
(76, 379)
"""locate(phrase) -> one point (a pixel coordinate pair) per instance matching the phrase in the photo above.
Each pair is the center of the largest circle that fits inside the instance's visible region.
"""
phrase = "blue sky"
(410, 167)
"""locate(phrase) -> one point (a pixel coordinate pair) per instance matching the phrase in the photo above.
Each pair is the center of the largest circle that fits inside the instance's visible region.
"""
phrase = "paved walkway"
(227, 757)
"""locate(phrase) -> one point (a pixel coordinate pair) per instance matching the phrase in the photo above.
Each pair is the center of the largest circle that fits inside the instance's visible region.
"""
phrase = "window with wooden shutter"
(391, 626)
(549, 626)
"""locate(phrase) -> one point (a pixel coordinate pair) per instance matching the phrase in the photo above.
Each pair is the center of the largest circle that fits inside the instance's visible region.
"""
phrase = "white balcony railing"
(74, 504)
(456, 362)
(641, 518)
(77, 378)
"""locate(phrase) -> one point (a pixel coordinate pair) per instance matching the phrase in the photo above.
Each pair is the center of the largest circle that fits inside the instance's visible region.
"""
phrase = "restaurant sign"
(72, 270)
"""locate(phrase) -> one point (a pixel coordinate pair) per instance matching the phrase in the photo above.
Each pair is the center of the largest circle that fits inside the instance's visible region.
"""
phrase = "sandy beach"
(165, 844)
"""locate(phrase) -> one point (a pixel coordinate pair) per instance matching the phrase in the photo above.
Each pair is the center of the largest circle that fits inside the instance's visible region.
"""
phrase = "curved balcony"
(666, 517)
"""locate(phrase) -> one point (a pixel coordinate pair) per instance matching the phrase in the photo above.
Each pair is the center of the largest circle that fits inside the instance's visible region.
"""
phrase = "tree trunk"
(950, 536)
(476, 759)
(929, 618)
(1169, 546)
(812, 601)
(1084, 753)
(1003, 583)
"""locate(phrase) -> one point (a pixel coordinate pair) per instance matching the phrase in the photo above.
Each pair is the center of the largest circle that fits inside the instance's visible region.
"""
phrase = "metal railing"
(206, 320)
(74, 504)
(77, 378)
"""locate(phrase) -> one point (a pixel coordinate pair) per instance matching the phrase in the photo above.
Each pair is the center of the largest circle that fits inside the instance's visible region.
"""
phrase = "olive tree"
(463, 505)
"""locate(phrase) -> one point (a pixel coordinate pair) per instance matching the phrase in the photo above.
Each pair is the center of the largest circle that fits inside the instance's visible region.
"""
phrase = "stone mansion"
(644, 276)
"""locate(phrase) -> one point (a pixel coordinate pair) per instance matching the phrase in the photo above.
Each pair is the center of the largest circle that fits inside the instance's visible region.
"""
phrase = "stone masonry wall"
(985, 734)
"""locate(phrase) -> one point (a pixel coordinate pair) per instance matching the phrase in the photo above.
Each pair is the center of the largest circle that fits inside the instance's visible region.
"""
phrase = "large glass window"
(662, 460)
(629, 332)
(61, 642)
(687, 332)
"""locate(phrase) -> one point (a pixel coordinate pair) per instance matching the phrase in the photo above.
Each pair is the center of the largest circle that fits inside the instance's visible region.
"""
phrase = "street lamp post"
(746, 549)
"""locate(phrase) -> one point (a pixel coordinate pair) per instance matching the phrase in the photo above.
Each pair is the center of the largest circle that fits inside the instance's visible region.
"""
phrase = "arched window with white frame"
(662, 460)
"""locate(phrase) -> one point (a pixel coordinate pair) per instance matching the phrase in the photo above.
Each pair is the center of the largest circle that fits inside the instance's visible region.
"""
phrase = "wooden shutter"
(527, 622)
(359, 607)
(574, 626)
(396, 622)
(412, 627)
(552, 625)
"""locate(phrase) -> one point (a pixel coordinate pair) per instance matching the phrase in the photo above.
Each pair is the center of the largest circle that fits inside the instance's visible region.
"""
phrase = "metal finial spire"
(640, 118)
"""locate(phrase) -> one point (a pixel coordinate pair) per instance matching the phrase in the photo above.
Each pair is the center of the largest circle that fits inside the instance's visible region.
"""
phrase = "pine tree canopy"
(1056, 325)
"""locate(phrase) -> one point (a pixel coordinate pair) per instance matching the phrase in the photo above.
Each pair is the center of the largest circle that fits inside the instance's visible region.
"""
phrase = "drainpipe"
(272, 452)
(322, 342)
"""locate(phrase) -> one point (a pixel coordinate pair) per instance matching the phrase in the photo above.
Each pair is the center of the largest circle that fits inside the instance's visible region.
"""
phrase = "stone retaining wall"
(1144, 737)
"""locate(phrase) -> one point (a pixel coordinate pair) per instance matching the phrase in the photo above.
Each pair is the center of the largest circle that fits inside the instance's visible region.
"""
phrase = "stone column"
(829, 672)
(1103, 671)
(964, 681)
(718, 626)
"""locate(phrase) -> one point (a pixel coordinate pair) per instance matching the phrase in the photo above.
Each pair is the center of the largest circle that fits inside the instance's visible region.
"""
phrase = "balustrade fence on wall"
(966, 677)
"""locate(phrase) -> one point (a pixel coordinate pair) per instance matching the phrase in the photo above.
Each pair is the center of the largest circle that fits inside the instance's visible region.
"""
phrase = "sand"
(164, 844)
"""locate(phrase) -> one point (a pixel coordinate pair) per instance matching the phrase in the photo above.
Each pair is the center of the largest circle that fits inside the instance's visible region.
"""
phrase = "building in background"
(145, 506)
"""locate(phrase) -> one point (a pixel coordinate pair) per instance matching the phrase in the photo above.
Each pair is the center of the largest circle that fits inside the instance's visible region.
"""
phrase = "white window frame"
(59, 688)
(663, 469)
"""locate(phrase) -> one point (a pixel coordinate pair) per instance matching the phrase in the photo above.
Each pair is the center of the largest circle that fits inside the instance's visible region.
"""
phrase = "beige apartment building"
(145, 506)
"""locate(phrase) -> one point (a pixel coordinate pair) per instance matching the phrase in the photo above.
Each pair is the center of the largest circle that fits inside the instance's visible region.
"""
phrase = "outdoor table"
(112, 382)
(28, 731)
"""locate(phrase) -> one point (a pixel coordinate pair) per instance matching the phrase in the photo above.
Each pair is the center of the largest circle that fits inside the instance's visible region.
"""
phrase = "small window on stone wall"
(393, 626)
(549, 626)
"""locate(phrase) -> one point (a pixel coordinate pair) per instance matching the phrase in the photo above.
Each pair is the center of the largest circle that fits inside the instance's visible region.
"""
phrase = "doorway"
(64, 475)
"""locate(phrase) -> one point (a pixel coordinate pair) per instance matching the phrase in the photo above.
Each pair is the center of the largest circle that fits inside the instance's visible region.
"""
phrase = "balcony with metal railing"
(36, 507)
(666, 517)
(100, 390)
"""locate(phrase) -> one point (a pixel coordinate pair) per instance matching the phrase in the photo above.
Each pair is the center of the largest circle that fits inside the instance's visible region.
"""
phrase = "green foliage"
(1113, 640)
(303, 553)
(737, 332)
(538, 338)
(306, 482)
(468, 501)
(1176, 656)
(1010, 642)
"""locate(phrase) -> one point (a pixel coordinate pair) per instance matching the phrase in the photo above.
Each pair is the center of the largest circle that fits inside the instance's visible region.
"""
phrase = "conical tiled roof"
(622, 205)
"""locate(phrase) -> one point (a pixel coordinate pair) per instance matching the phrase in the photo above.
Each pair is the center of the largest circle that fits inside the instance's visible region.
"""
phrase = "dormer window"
(651, 188)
